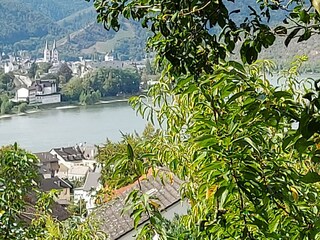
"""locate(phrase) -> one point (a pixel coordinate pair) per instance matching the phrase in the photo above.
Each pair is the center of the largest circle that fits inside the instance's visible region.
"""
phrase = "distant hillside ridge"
(28, 24)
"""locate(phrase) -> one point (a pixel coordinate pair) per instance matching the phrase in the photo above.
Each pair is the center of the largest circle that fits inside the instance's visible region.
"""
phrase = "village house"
(48, 164)
(40, 92)
(88, 191)
(119, 225)
(63, 186)
(75, 162)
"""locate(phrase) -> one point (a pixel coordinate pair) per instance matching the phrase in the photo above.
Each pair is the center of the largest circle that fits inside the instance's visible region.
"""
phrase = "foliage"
(43, 67)
(22, 107)
(103, 82)
(6, 105)
(18, 182)
(78, 208)
(18, 177)
(249, 172)
(33, 70)
(6, 82)
(64, 73)
(72, 228)
(116, 163)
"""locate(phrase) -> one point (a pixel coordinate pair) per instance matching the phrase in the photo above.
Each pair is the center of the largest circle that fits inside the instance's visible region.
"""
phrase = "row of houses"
(59, 167)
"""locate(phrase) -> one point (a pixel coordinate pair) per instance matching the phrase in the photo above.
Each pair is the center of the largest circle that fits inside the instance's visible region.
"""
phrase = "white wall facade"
(47, 99)
(22, 94)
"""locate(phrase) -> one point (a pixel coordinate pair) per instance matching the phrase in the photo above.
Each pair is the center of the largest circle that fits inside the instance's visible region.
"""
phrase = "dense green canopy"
(247, 151)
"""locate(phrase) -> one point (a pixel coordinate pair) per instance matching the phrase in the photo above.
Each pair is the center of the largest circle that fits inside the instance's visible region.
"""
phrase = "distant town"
(46, 80)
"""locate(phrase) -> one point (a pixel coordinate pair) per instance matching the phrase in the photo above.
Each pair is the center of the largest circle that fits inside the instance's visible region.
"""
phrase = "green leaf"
(310, 177)
(283, 94)
(130, 152)
(315, 159)
(286, 142)
(273, 226)
(305, 36)
(291, 36)
(304, 16)
(302, 144)
(252, 144)
(281, 30)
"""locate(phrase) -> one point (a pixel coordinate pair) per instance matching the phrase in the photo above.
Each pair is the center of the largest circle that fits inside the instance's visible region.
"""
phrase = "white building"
(10, 67)
(22, 95)
(40, 92)
(89, 190)
(75, 163)
(108, 57)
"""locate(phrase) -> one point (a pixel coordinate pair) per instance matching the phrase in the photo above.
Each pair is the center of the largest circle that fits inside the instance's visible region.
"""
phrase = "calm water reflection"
(44, 130)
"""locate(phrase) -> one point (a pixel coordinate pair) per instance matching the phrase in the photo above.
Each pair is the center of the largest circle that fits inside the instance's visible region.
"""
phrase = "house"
(77, 172)
(108, 57)
(57, 211)
(73, 163)
(49, 164)
(22, 95)
(88, 191)
(40, 92)
(120, 226)
(68, 156)
(63, 186)
(46, 91)
(79, 155)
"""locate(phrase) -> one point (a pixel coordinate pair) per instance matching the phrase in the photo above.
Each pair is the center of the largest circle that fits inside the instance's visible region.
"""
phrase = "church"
(51, 55)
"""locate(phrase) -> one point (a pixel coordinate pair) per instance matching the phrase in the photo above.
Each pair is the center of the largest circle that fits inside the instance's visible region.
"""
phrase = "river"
(46, 129)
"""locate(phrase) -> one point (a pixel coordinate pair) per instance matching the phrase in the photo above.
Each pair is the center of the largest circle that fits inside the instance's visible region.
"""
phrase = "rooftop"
(92, 181)
(46, 157)
(117, 224)
(47, 184)
(69, 153)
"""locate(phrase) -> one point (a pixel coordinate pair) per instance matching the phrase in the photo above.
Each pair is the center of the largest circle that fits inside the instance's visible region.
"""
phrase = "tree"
(18, 180)
(33, 70)
(65, 73)
(110, 154)
(248, 172)
(6, 104)
(6, 81)
(18, 177)
(22, 107)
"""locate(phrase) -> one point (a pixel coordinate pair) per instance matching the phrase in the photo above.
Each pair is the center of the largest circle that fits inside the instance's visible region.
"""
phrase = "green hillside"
(19, 22)
(26, 25)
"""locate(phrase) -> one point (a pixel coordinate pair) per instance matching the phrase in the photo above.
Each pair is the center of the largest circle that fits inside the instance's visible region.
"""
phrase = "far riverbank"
(61, 106)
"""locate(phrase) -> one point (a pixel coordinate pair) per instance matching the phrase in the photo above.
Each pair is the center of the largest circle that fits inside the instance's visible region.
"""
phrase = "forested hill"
(27, 24)
(21, 20)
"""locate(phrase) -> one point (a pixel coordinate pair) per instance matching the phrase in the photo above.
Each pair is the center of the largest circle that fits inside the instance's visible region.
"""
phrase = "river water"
(46, 129)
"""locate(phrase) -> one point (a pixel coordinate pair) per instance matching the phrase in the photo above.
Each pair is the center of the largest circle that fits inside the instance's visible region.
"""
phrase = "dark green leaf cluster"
(18, 175)
(194, 35)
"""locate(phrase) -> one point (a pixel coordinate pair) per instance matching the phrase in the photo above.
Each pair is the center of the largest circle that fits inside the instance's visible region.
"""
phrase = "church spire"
(46, 53)
(54, 52)
(54, 45)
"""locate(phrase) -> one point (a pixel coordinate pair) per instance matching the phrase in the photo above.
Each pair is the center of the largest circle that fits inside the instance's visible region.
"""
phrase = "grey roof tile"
(116, 224)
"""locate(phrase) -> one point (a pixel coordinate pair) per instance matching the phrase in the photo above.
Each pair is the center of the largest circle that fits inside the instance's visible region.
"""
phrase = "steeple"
(54, 52)
(54, 45)
(46, 53)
